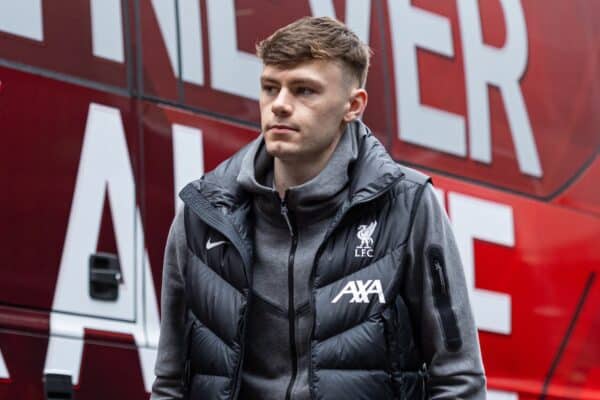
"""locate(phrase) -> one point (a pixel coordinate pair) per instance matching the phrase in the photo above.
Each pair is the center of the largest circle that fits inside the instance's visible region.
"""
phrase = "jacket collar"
(372, 172)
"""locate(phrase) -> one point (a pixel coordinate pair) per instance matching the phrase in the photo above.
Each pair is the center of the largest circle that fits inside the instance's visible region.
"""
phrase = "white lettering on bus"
(358, 15)
(413, 28)
(501, 395)
(226, 61)
(190, 31)
(3, 369)
(474, 218)
(107, 29)
(502, 67)
(105, 165)
(188, 157)
(22, 18)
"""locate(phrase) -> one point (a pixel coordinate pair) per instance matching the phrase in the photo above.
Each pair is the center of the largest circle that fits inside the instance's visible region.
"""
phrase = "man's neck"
(289, 173)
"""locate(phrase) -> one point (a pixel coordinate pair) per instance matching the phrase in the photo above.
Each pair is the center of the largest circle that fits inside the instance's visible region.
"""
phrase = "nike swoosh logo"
(211, 245)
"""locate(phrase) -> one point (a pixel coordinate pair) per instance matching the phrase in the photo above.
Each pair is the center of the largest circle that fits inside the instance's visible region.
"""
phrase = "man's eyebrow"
(306, 81)
(296, 81)
(266, 79)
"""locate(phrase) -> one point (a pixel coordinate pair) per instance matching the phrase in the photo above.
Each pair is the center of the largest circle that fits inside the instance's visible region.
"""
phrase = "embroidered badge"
(365, 233)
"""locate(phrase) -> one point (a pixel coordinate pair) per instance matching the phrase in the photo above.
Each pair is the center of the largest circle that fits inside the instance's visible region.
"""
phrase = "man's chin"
(283, 151)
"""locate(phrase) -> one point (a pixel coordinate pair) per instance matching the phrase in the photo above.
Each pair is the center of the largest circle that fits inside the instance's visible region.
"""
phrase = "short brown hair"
(311, 38)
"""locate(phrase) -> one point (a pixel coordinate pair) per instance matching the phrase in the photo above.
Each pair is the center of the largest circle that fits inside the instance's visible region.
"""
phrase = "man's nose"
(282, 104)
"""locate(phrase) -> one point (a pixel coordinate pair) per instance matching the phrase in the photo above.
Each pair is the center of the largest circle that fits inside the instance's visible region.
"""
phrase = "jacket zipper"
(441, 299)
(439, 272)
(237, 375)
(291, 308)
(318, 255)
(187, 367)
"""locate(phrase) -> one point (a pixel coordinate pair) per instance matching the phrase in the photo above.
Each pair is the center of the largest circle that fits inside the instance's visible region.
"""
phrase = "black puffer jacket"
(388, 291)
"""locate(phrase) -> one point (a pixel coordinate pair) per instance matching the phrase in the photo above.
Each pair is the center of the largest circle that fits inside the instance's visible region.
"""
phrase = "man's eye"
(305, 91)
(269, 90)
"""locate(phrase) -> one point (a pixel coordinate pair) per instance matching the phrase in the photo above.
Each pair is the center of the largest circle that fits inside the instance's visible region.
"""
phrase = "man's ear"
(357, 102)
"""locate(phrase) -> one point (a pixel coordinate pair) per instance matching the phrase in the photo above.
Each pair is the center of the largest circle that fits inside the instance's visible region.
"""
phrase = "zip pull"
(442, 278)
(286, 217)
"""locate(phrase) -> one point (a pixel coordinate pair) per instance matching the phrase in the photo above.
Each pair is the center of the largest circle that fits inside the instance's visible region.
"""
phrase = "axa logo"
(360, 291)
(365, 233)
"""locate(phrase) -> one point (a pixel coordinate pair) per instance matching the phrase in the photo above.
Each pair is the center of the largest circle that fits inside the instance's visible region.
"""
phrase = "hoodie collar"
(314, 200)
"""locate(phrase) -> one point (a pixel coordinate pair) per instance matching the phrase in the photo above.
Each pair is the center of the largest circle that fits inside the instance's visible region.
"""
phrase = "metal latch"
(58, 387)
(105, 276)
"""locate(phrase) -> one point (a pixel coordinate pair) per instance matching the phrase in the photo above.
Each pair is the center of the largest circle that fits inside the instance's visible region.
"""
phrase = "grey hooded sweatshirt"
(280, 320)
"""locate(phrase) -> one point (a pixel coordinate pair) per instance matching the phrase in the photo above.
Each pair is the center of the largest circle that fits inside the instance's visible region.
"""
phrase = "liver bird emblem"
(364, 234)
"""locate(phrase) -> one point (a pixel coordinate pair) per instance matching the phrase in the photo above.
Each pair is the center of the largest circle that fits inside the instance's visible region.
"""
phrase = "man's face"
(302, 109)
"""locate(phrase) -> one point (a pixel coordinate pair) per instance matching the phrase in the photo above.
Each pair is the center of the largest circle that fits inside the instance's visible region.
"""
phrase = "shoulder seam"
(414, 176)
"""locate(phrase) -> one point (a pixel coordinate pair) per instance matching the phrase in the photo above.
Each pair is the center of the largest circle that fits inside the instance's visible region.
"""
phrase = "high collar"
(309, 202)
(372, 172)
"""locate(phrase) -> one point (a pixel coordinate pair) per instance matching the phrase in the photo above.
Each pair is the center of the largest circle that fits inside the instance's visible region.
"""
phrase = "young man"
(310, 265)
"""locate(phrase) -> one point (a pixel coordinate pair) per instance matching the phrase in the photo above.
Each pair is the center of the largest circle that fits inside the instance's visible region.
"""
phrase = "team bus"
(109, 107)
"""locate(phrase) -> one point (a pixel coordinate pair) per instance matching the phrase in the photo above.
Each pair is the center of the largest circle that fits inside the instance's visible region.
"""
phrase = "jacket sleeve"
(169, 361)
(438, 301)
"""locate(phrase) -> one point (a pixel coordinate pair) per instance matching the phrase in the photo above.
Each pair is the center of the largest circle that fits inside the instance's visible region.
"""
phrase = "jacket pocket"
(389, 323)
(414, 385)
(441, 298)
(408, 382)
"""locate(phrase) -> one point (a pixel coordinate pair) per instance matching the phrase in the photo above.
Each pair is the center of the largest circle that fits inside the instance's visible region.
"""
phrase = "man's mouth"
(282, 128)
